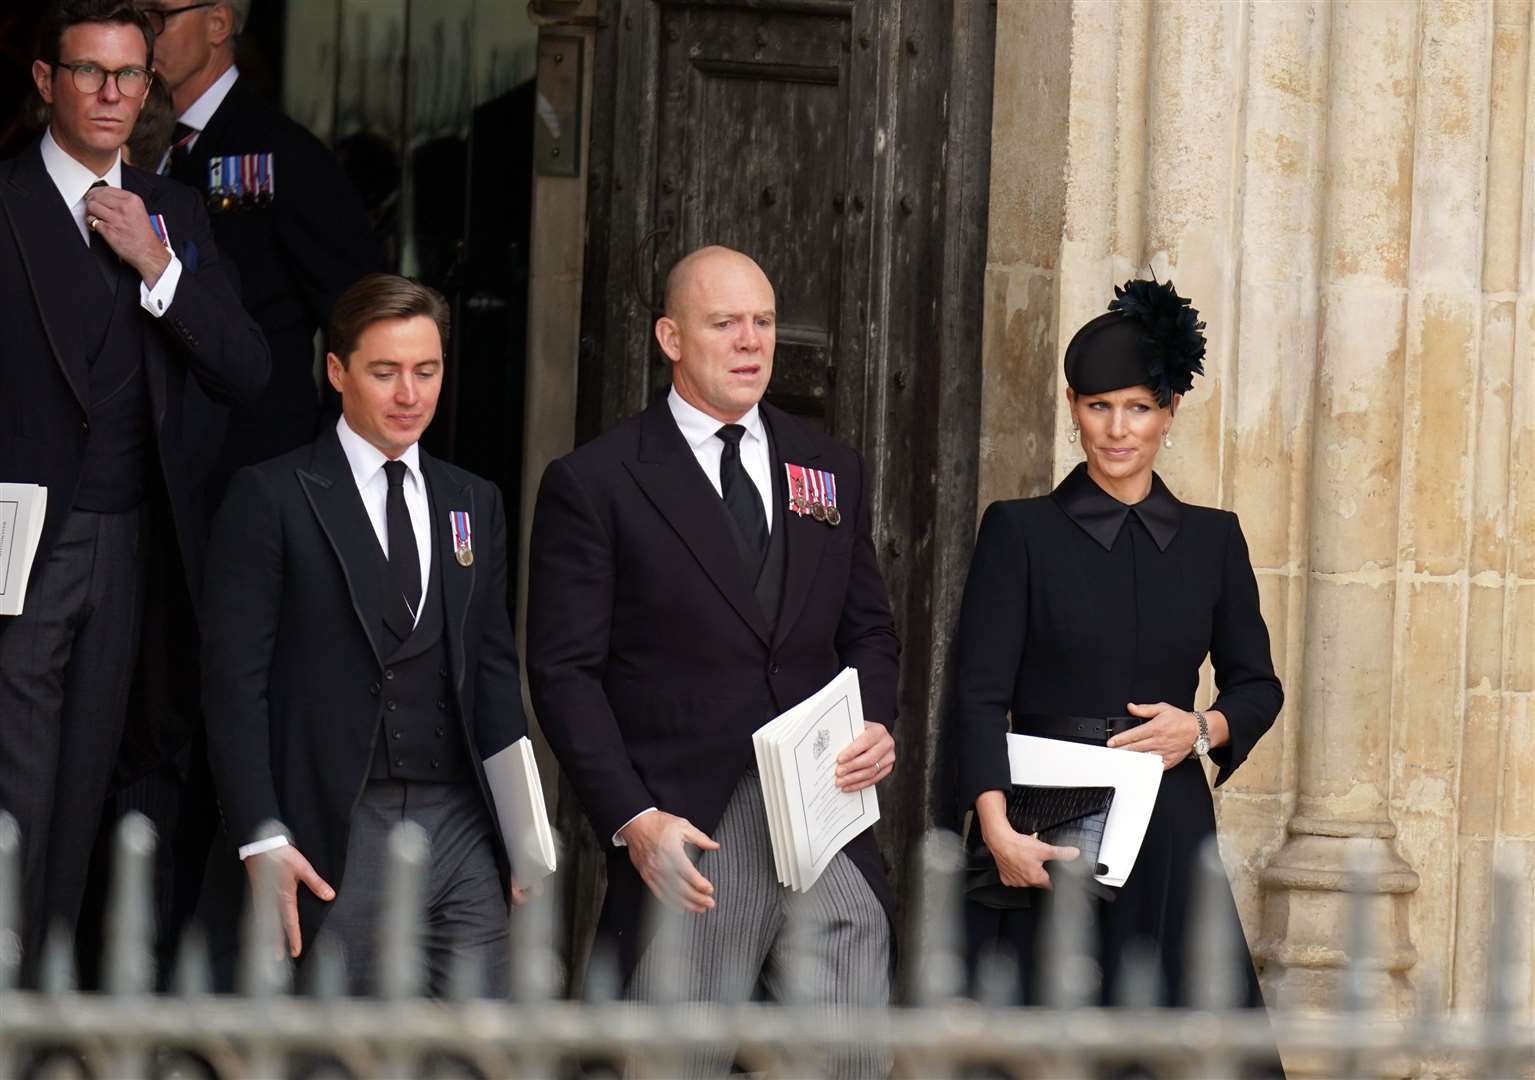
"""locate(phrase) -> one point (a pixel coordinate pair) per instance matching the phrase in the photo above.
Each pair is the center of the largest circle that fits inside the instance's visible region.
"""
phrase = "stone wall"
(1347, 191)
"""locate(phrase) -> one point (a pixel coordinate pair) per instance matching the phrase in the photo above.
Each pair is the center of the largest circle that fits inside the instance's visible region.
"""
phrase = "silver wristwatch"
(1202, 743)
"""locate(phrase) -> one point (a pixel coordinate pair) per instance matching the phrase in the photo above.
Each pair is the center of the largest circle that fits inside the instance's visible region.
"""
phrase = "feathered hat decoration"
(1149, 336)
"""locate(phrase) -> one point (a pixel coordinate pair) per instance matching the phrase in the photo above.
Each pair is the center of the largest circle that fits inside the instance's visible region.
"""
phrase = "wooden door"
(843, 144)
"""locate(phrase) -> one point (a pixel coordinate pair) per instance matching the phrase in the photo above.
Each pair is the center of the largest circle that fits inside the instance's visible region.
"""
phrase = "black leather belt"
(1097, 728)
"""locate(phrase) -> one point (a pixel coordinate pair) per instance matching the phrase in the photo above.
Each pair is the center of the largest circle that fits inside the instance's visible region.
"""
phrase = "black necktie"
(739, 493)
(404, 556)
(181, 145)
(106, 258)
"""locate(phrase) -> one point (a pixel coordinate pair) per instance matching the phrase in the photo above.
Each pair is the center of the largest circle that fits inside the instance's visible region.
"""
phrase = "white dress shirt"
(73, 180)
(201, 111)
(367, 464)
(701, 432)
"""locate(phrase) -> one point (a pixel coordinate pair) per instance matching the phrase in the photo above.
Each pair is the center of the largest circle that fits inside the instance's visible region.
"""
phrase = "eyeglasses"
(131, 82)
(157, 16)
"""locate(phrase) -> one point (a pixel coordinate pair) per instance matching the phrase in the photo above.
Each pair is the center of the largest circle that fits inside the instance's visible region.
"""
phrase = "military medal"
(266, 184)
(817, 502)
(798, 503)
(162, 233)
(833, 515)
(463, 537)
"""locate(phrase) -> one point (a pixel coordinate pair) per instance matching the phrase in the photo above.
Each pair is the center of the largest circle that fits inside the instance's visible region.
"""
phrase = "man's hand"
(287, 867)
(1021, 858)
(119, 218)
(656, 848)
(866, 760)
(1168, 731)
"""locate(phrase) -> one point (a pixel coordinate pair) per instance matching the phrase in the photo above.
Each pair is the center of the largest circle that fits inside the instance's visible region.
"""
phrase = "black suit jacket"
(205, 334)
(648, 656)
(291, 664)
(295, 256)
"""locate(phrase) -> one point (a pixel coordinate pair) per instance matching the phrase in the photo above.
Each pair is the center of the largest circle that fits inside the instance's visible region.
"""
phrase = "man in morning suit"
(358, 661)
(676, 604)
(119, 322)
(289, 219)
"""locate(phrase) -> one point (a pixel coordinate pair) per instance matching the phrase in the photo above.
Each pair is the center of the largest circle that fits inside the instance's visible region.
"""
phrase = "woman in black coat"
(1092, 608)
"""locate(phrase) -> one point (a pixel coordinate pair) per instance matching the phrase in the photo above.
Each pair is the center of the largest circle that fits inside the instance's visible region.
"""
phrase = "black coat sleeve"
(866, 638)
(224, 349)
(241, 602)
(989, 644)
(498, 689)
(571, 575)
(1250, 695)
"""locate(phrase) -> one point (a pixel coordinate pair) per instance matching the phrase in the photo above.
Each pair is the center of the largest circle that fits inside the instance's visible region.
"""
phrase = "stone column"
(1344, 698)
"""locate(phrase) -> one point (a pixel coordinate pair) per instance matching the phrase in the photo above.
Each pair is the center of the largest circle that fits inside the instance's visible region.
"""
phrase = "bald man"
(678, 600)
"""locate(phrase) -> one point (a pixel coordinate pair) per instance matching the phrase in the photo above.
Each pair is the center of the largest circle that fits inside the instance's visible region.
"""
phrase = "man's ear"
(221, 24)
(669, 337)
(42, 78)
(334, 371)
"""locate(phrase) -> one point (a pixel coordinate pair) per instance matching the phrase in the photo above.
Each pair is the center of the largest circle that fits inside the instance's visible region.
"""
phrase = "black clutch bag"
(1064, 816)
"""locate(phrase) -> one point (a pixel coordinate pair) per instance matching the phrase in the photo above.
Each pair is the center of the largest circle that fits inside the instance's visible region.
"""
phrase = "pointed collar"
(1101, 516)
(71, 178)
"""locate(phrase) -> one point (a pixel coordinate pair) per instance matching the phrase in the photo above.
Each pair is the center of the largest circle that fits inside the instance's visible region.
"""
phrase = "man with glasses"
(282, 211)
(117, 316)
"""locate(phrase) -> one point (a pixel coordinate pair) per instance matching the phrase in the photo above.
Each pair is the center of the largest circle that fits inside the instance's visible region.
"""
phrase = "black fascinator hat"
(1150, 336)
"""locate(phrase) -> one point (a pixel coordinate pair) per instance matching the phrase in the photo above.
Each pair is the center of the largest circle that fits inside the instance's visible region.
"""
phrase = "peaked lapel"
(35, 211)
(145, 187)
(668, 474)
(338, 508)
(804, 537)
(446, 495)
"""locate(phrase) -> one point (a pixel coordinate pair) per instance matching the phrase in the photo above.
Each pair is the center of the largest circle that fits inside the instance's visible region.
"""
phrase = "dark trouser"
(465, 906)
(66, 664)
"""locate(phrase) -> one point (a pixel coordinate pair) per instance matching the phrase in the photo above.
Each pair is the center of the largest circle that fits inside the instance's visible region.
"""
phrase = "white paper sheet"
(810, 818)
(1134, 776)
(22, 507)
(512, 775)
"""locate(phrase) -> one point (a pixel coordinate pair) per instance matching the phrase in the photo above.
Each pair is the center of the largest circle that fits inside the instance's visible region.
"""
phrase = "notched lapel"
(668, 474)
(338, 508)
(445, 496)
(804, 537)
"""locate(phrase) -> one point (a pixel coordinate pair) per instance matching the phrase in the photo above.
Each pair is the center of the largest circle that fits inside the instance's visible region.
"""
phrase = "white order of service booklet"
(810, 819)
(1134, 776)
(22, 507)
(515, 788)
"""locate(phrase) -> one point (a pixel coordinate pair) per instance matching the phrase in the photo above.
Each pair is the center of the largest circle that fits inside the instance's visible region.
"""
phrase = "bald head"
(700, 266)
(719, 331)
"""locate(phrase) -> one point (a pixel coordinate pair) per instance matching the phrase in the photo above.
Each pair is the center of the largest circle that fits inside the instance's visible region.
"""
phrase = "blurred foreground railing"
(265, 1032)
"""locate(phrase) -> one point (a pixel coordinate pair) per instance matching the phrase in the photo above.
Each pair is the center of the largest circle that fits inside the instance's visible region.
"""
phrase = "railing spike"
(10, 902)
(399, 941)
(130, 959)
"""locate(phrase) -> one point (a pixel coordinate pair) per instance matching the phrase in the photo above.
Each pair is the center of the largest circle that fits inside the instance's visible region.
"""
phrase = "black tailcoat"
(203, 354)
(293, 668)
(1079, 605)
(296, 255)
(649, 658)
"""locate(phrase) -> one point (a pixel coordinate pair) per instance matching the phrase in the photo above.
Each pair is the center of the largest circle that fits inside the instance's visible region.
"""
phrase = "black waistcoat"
(421, 737)
(119, 444)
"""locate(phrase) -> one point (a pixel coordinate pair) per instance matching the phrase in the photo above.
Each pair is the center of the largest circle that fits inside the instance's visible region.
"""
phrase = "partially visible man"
(680, 596)
(282, 210)
(358, 661)
(118, 321)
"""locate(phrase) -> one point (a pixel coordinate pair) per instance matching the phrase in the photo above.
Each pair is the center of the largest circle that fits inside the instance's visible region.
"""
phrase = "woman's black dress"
(1077, 605)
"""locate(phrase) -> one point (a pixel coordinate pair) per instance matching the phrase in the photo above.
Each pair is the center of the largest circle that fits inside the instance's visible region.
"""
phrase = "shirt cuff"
(157, 300)
(261, 847)
(618, 839)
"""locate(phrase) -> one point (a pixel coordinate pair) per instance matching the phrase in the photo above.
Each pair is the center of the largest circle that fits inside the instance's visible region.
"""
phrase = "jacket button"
(390, 706)
(434, 765)
(373, 689)
(389, 673)
(443, 672)
(439, 733)
(399, 763)
(85, 425)
(396, 734)
(774, 668)
(442, 705)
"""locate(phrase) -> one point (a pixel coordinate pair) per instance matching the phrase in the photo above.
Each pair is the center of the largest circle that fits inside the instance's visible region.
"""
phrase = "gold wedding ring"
(91, 223)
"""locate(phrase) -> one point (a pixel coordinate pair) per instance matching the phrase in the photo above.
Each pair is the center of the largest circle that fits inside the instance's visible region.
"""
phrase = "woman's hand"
(1020, 858)
(1168, 732)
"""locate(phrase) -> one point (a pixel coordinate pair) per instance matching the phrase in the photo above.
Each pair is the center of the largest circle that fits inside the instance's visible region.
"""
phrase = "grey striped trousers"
(743, 942)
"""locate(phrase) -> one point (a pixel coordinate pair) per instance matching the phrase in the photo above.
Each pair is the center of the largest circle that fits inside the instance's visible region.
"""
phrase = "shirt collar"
(1101, 516)
(201, 111)
(71, 178)
(367, 460)
(698, 427)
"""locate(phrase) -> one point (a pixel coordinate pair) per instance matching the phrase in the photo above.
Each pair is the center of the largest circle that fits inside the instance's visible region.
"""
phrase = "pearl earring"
(1167, 439)
(1071, 436)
